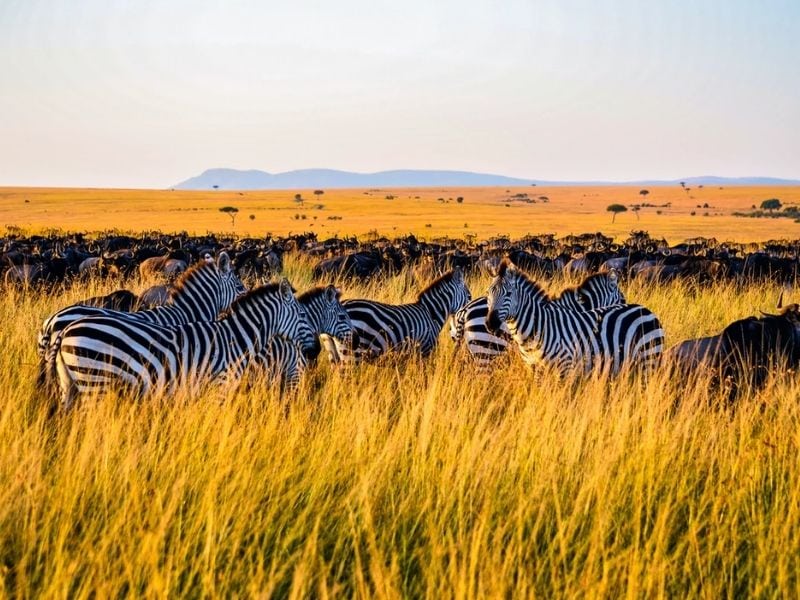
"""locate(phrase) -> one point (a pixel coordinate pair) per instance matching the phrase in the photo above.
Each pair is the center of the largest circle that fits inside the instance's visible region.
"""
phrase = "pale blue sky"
(145, 94)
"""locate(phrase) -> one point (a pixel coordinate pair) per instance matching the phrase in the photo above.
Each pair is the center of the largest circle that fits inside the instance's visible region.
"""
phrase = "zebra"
(201, 293)
(282, 360)
(149, 359)
(379, 328)
(468, 325)
(610, 338)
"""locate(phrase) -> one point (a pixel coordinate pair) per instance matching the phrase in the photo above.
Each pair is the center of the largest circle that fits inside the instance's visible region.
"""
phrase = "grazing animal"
(380, 328)
(468, 325)
(609, 338)
(162, 265)
(747, 350)
(122, 300)
(201, 294)
(156, 295)
(26, 274)
(148, 359)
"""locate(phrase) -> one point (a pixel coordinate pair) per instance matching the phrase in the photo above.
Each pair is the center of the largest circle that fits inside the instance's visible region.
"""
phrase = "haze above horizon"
(126, 94)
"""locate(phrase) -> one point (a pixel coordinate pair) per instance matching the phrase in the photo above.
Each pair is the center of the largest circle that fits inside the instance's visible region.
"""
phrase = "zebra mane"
(188, 275)
(440, 282)
(269, 289)
(582, 284)
(507, 269)
(309, 296)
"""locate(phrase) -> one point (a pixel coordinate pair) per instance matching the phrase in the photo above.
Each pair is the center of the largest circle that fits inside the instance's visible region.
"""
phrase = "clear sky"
(146, 93)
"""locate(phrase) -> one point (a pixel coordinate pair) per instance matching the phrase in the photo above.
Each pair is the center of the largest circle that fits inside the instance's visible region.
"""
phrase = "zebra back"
(200, 294)
(379, 328)
(102, 351)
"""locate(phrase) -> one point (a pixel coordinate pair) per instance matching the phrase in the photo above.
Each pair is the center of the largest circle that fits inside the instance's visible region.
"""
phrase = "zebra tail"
(48, 368)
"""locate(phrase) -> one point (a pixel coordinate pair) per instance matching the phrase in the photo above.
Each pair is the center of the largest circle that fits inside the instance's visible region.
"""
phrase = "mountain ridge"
(255, 179)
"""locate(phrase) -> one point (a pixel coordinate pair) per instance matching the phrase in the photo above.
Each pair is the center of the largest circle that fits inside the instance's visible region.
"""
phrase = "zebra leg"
(69, 389)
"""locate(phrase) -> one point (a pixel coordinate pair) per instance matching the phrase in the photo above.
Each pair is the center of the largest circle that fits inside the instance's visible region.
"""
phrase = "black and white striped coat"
(379, 328)
(281, 361)
(609, 338)
(200, 294)
(149, 359)
(468, 325)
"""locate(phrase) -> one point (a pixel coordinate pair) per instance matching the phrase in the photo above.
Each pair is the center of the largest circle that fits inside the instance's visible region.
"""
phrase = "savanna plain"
(408, 477)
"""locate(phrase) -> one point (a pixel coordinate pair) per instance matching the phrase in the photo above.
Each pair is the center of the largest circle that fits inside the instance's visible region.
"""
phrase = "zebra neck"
(437, 306)
(314, 309)
(194, 305)
(237, 339)
(529, 324)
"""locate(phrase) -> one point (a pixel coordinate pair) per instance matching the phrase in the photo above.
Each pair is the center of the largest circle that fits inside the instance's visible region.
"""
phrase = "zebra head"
(446, 295)
(336, 321)
(292, 319)
(326, 313)
(509, 295)
(207, 288)
(232, 286)
(598, 291)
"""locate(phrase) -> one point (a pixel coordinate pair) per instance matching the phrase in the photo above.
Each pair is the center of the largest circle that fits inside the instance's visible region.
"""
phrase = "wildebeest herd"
(59, 258)
(203, 325)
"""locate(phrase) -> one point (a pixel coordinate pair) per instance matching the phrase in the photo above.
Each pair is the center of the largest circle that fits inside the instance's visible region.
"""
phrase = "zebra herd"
(212, 329)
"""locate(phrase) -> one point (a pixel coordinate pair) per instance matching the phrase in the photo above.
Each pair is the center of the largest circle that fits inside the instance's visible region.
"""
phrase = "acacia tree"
(643, 193)
(616, 208)
(231, 212)
(318, 193)
(771, 205)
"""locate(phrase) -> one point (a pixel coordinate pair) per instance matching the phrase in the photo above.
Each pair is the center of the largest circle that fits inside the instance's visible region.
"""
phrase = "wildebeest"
(747, 351)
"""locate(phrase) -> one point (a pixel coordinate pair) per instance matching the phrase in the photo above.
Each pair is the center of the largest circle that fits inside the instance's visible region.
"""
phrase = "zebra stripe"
(379, 328)
(283, 361)
(200, 294)
(607, 338)
(148, 359)
(468, 325)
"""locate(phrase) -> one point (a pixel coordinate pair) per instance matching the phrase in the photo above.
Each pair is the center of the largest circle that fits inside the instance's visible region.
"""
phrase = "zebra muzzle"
(493, 322)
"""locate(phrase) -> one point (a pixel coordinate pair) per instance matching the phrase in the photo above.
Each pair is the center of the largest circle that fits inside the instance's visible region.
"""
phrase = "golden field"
(406, 478)
(483, 212)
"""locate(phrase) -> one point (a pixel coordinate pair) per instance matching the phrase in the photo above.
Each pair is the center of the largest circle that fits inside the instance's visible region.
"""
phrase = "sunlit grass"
(406, 478)
(673, 213)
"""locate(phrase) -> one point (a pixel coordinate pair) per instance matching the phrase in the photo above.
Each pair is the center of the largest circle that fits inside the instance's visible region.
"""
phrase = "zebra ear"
(286, 289)
(331, 293)
(224, 262)
(458, 274)
(613, 277)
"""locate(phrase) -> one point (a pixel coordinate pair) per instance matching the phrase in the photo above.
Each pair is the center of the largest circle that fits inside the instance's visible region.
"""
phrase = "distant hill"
(233, 179)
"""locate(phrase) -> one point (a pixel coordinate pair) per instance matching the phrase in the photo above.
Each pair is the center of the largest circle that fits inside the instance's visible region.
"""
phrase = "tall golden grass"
(406, 478)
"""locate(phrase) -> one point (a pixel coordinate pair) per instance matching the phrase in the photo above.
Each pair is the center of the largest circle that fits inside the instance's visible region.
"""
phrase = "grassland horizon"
(666, 211)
